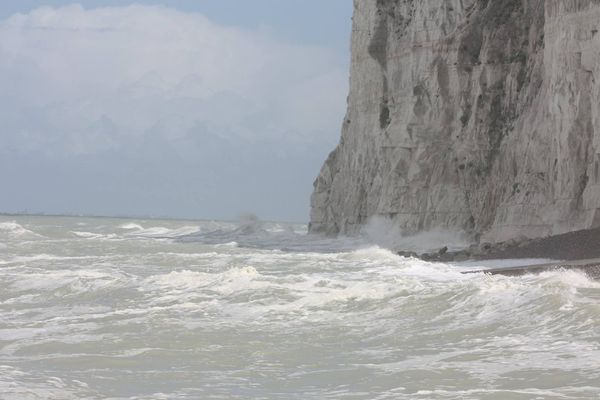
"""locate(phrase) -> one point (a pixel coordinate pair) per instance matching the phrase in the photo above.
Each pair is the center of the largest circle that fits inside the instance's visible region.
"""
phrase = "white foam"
(16, 384)
(70, 282)
(59, 302)
(570, 278)
(161, 231)
(185, 230)
(97, 236)
(369, 274)
(228, 244)
(13, 230)
(230, 281)
(131, 225)
(49, 257)
(373, 253)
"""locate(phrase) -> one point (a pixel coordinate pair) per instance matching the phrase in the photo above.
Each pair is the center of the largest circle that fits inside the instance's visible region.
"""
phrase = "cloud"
(139, 67)
(111, 82)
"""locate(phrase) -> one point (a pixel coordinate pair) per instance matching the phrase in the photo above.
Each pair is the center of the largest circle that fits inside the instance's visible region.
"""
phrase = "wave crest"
(12, 229)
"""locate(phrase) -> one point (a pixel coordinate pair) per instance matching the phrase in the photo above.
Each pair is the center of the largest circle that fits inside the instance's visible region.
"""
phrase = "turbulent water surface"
(149, 309)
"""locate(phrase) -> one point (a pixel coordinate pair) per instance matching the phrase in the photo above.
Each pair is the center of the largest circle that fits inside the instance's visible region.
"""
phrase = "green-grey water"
(97, 308)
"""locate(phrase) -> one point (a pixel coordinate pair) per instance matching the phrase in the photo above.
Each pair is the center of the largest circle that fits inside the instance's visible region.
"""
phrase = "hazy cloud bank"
(149, 109)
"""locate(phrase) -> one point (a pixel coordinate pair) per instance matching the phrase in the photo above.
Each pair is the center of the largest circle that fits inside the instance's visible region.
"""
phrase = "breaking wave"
(12, 229)
(138, 316)
(159, 231)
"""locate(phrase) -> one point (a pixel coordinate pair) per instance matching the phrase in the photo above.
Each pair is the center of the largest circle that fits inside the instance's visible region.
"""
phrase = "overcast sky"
(186, 108)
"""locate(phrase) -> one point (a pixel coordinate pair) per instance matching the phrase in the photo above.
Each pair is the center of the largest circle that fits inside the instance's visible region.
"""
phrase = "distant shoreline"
(153, 218)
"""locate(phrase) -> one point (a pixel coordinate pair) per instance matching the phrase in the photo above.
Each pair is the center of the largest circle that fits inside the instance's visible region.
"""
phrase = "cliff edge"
(475, 115)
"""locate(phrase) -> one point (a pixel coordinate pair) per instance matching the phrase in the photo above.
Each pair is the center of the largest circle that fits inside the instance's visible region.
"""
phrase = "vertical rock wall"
(474, 115)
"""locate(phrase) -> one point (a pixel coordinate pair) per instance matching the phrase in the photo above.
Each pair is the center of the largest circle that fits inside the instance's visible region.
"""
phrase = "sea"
(109, 308)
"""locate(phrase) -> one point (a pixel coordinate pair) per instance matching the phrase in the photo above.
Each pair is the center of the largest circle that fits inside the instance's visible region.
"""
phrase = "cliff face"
(476, 115)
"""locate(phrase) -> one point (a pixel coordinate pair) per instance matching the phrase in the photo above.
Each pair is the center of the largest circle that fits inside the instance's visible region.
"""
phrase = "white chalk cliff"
(475, 115)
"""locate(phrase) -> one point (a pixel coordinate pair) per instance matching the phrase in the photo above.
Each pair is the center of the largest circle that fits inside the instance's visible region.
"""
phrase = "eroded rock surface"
(475, 115)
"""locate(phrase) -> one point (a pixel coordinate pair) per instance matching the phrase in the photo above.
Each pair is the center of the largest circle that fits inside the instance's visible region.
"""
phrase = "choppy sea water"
(149, 309)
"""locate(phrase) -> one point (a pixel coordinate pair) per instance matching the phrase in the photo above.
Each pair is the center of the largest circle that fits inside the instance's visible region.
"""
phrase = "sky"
(184, 108)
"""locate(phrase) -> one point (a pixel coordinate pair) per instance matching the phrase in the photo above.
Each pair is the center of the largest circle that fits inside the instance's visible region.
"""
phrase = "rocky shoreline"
(578, 245)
